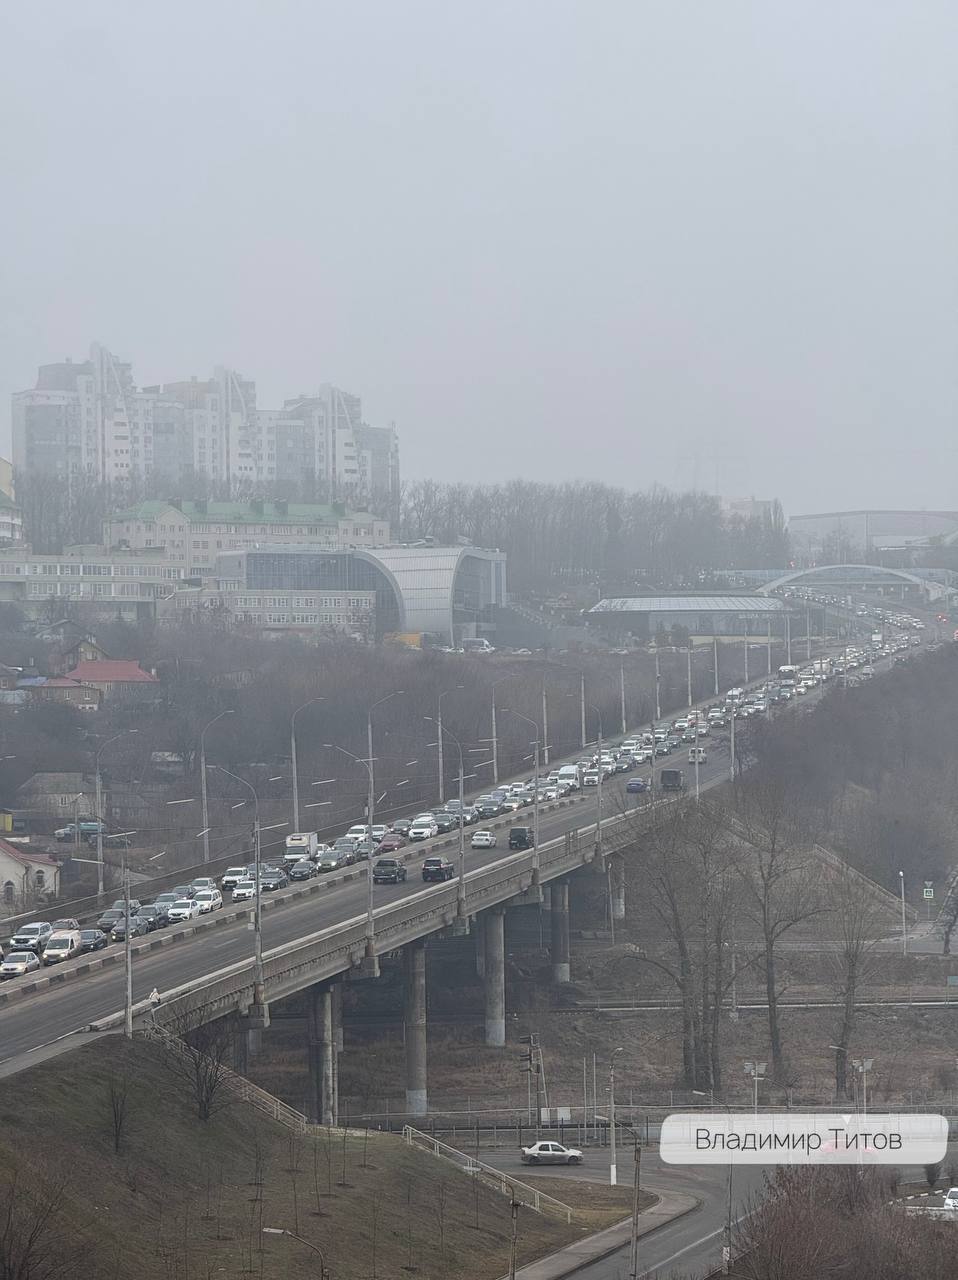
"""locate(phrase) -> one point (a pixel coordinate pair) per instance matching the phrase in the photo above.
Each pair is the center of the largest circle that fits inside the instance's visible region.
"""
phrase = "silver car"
(550, 1153)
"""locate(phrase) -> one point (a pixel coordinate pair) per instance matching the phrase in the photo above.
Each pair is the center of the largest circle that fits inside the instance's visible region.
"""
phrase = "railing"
(495, 1178)
(241, 1088)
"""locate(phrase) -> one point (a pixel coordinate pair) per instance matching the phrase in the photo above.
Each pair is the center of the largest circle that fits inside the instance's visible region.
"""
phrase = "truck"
(303, 843)
(73, 830)
(672, 780)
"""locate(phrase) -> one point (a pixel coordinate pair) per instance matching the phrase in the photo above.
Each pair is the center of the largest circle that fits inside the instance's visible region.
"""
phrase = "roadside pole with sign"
(929, 896)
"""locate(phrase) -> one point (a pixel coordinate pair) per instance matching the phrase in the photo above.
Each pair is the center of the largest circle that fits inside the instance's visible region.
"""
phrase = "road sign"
(928, 893)
(952, 980)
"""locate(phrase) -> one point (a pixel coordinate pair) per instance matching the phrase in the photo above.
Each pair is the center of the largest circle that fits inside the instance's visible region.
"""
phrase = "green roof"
(242, 512)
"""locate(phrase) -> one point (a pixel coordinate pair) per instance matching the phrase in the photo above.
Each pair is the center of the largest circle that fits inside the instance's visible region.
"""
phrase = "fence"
(499, 1181)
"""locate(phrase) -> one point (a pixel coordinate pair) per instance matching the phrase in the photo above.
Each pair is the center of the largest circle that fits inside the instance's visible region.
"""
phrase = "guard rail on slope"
(499, 1181)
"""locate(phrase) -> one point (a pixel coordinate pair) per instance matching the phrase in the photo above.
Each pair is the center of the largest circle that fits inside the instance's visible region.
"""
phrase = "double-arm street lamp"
(259, 984)
(206, 810)
(438, 721)
(537, 747)
(461, 892)
(292, 756)
(99, 809)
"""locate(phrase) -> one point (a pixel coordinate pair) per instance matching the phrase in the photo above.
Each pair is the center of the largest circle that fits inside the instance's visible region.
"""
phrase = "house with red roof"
(114, 677)
(26, 877)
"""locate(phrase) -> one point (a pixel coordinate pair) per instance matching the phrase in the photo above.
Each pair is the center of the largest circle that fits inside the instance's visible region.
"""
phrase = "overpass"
(862, 577)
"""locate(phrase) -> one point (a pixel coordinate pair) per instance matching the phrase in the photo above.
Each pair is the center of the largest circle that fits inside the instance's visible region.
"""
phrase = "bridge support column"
(480, 943)
(321, 1048)
(559, 922)
(414, 1014)
(241, 1052)
(337, 1045)
(617, 888)
(495, 939)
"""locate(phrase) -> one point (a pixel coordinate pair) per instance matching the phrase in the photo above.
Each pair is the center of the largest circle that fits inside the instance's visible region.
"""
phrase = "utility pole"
(768, 646)
(689, 657)
(545, 726)
(731, 763)
(127, 956)
(622, 697)
(788, 639)
(292, 756)
(715, 663)
(99, 809)
(746, 650)
(203, 793)
(636, 1185)
(904, 926)
(808, 634)
(612, 1160)
(658, 677)
(495, 742)
(442, 783)
(582, 708)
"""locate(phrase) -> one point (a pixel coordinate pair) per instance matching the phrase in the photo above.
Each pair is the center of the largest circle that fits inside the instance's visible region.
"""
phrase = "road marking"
(696, 1244)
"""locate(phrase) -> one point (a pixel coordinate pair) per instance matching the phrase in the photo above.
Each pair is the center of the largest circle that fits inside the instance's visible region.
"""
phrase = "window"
(39, 879)
(9, 893)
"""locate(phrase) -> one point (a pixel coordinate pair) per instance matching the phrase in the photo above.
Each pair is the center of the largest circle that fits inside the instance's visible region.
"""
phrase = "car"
(388, 871)
(272, 879)
(635, 786)
(358, 832)
(63, 945)
(202, 882)
(345, 846)
(183, 891)
(483, 840)
(183, 909)
(109, 919)
(488, 809)
(422, 829)
(401, 826)
(17, 963)
(164, 901)
(332, 860)
(138, 928)
(68, 923)
(522, 838)
(378, 831)
(446, 821)
(209, 900)
(510, 804)
(364, 850)
(120, 905)
(83, 829)
(624, 763)
(302, 870)
(32, 937)
(438, 869)
(663, 748)
(231, 876)
(391, 842)
(550, 1153)
(950, 1201)
(92, 940)
(244, 890)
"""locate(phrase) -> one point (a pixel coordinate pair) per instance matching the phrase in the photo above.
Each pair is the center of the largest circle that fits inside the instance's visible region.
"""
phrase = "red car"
(392, 842)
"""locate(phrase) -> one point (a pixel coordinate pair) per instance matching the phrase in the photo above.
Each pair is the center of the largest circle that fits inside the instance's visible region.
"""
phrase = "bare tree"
(118, 1096)
(197, 1057)
(37, 1241)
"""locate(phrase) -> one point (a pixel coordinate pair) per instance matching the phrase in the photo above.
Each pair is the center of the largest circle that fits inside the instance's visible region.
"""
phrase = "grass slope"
(183, 1200)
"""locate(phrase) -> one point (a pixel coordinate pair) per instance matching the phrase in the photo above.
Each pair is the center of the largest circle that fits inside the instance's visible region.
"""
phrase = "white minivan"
(62, 945)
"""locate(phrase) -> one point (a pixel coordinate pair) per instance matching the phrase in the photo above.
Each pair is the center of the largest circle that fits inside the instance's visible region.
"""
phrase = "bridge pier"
(480, 946)
(495, 973)
(414, 1015)
(321, 1050)
(617, 887)
(559, 929)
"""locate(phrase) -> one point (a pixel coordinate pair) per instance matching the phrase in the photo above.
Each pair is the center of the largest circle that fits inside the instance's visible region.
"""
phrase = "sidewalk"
(565, 1262)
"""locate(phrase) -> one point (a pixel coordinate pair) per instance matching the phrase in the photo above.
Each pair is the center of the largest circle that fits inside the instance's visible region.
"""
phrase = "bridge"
(863, 577)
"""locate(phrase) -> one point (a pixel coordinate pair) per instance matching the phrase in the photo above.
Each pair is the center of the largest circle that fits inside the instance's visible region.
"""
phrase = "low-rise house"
(115, 677)
(27, 877)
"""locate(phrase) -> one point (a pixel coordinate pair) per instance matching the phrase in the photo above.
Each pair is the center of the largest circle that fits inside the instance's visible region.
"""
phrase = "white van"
(697, 755)
(62, 945)
(568, 776)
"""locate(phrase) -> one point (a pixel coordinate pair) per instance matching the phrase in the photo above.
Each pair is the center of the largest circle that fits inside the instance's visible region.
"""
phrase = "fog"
(677, 242)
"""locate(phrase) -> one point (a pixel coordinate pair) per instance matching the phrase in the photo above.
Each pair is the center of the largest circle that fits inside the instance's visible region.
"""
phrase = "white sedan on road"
(424, 827)
(550, 1153)
(183, 909)
(483, 840)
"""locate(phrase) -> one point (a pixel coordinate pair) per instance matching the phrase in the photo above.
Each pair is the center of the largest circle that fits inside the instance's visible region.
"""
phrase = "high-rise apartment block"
(89, 418)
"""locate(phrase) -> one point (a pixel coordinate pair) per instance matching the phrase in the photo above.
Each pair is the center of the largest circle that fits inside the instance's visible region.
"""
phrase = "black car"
(109, 919)
(92, 940)
(155, 914)
(438, 869)
(624, 764)
(401, 826)
(120, 905)
(446, 821)
(489, 809)
(184, 890)
(138, 928)
(270, 880)
(389, 871)
(521, 838)
(302, 870)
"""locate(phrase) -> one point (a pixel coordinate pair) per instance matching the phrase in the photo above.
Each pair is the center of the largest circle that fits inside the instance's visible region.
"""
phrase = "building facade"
(193, 534)
(88, 417)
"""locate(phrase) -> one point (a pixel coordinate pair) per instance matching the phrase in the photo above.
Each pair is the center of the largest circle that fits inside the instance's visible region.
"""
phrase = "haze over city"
(686, 244)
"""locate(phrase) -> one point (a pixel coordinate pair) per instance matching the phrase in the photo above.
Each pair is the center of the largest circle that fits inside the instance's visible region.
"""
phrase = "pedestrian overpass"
(861, 577)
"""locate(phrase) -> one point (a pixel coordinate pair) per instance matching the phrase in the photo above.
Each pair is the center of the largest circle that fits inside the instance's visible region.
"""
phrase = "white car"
(183, 909)
(358, 832)
(244, 890)
(18, 963)
(424, 828)
(950, 1200)
(232, 876)
(208, 900)
(483, 840)
(550, 1153)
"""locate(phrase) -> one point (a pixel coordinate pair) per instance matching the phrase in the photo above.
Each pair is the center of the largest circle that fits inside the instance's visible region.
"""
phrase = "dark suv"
(438, 869)
(389, 871)
(521, 838)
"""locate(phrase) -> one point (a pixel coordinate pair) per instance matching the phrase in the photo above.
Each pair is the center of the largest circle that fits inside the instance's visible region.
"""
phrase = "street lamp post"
(372, 965)
(535, 799)
(324, 1273)
(612, 1163)
(598, 782)
(863, 1066)
(658, 680)
(757, 1071)
(622, 707)
(259, 983)
(438, 720)
(688, 655)
(206, 810)
(461, 892)
(99, 809)
(904, 926)
(292, 757)
(495, 732)
(369, 749)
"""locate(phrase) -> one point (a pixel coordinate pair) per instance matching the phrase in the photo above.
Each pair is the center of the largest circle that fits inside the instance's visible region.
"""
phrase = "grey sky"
(549, 239)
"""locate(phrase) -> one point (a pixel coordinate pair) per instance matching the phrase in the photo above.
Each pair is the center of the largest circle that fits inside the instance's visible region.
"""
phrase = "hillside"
(182, 1198)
